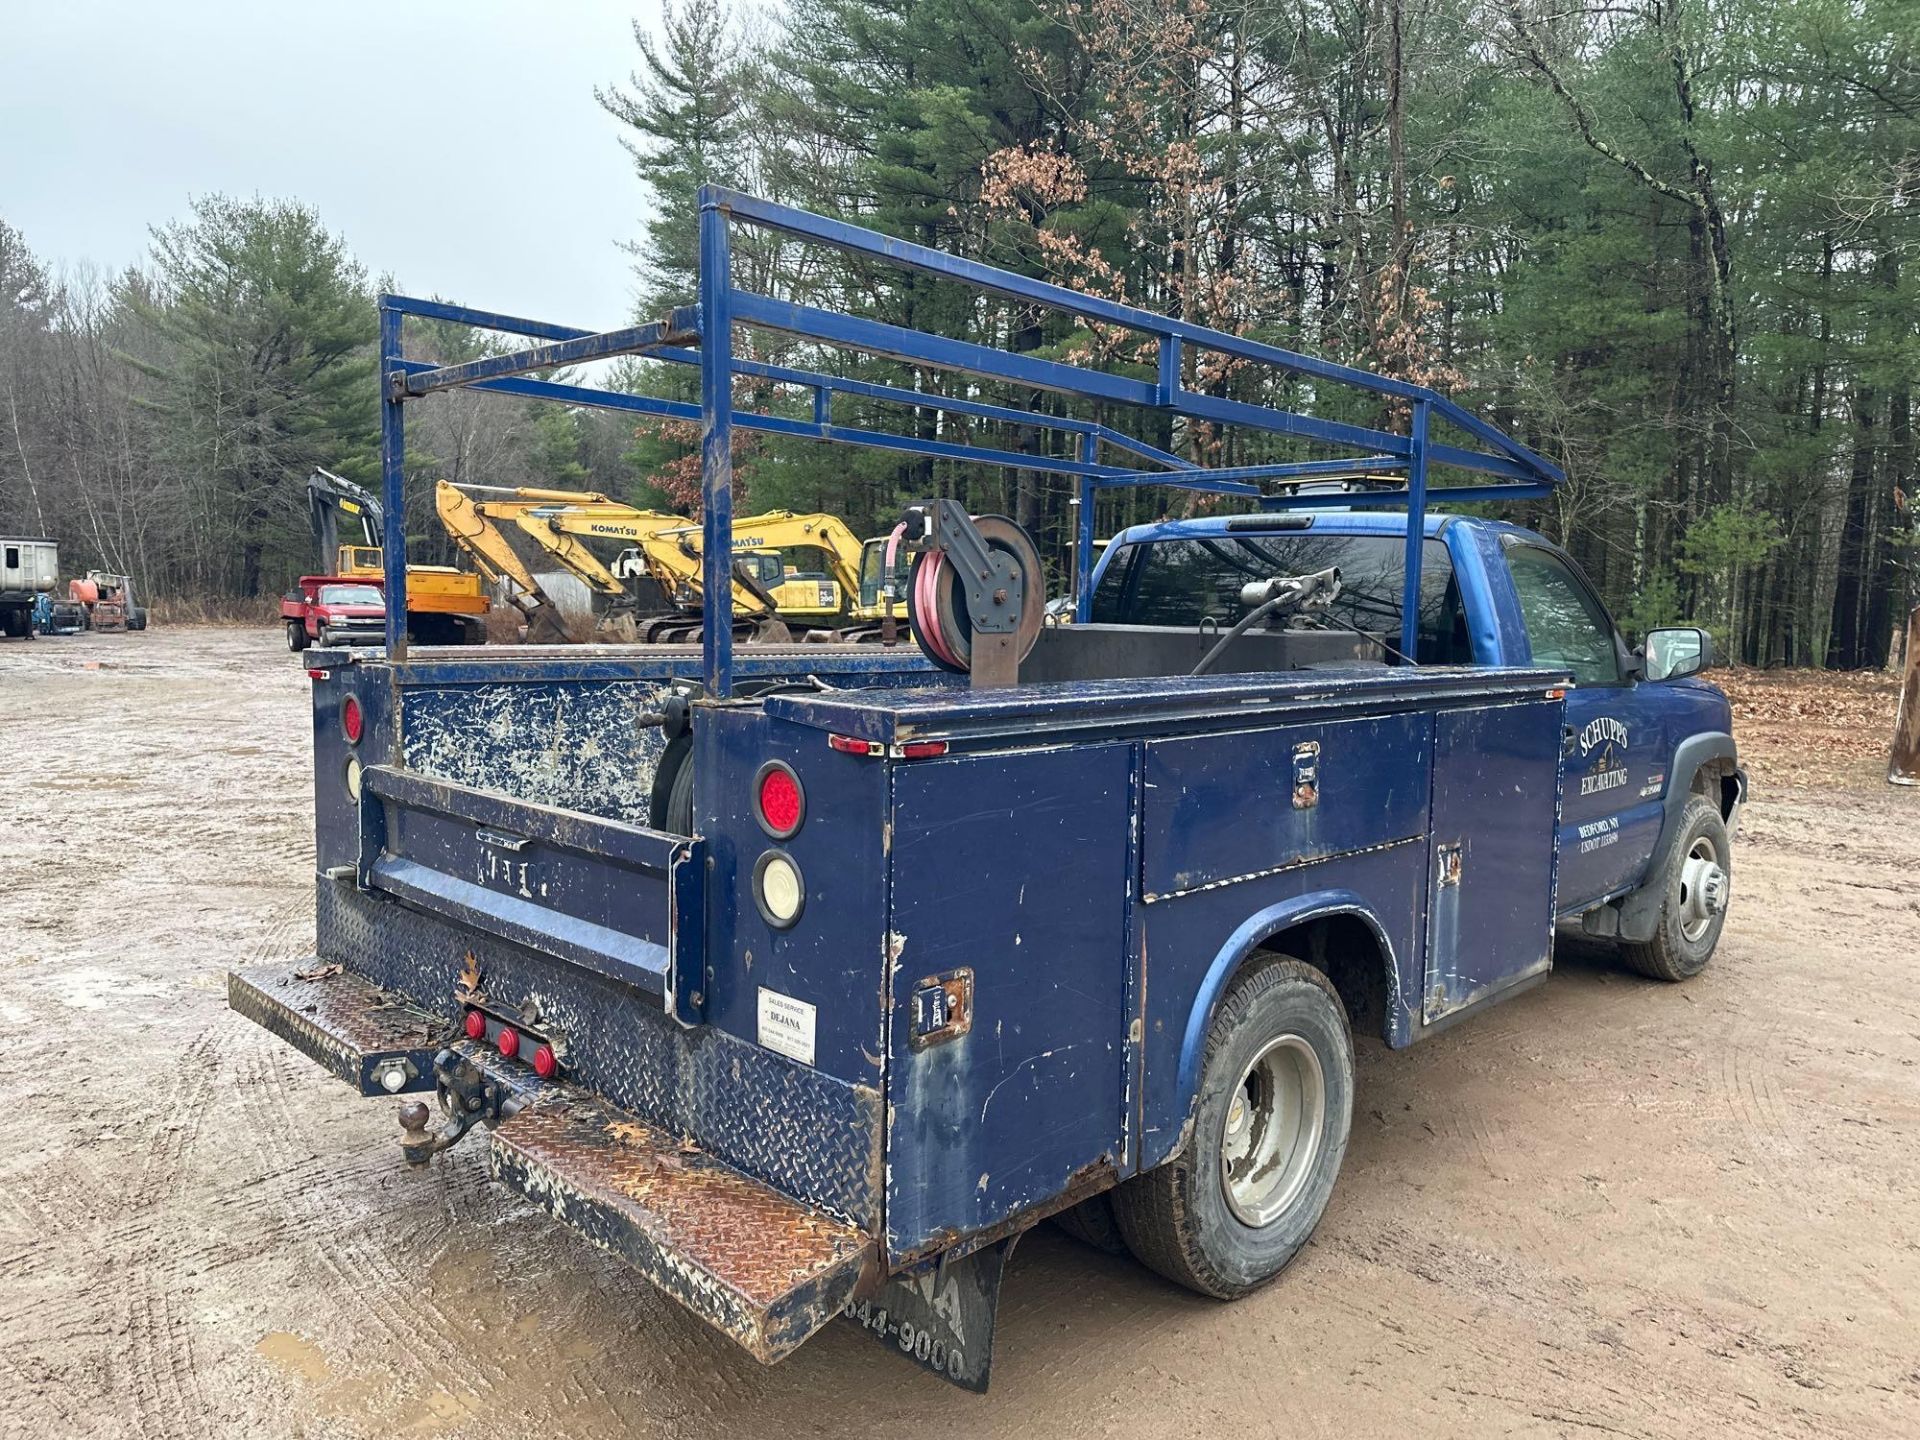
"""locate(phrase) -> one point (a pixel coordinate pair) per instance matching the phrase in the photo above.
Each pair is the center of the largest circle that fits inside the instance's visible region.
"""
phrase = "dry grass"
(213, 610)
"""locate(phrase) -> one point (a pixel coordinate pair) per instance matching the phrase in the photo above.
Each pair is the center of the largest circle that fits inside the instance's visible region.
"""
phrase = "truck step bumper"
(765, 1269)
(373, 1040)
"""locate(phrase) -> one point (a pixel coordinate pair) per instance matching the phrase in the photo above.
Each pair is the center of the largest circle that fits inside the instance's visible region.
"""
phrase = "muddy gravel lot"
(1610, 1206)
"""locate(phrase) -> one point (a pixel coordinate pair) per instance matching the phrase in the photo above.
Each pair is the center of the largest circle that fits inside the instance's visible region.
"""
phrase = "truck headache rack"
(1103, 457)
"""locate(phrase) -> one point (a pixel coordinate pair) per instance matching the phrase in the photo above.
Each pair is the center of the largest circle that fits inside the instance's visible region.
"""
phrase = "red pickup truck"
(334, 610)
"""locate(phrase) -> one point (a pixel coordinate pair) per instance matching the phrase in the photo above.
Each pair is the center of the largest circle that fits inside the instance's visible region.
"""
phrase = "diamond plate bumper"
(353, 1028)
(762, 1267)
(759, 1266)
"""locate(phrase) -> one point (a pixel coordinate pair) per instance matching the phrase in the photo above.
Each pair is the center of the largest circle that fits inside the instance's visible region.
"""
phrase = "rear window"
(1181, 582)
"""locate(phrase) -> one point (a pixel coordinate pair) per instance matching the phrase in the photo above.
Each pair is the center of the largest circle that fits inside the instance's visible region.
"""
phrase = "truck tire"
(1092, 1222)
(1698, 881)
(1227, 1213)
(296, 637)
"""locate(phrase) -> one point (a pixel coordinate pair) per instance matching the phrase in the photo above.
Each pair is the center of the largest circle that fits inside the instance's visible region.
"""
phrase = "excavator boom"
(511, 532)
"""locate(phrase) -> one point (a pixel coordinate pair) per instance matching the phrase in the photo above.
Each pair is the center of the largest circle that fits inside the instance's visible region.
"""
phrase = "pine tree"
(687, 108)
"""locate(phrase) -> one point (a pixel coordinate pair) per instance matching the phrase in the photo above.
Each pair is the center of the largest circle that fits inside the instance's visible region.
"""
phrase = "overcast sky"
(454, 143)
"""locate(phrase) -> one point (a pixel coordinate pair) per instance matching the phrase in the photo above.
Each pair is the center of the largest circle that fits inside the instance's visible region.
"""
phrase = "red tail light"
(352, 722)
(476, 1025)
(545, 1062)
(509, 1042)
(779, 802)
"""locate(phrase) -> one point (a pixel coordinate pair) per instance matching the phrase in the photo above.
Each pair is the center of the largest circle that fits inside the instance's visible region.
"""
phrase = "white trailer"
(29, 565)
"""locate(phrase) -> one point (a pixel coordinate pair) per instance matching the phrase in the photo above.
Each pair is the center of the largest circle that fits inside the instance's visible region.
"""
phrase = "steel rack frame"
(702, 335)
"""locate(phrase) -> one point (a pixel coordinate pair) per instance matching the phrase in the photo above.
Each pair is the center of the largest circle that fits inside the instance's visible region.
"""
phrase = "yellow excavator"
(445, 606)
(857, 606)
(649, 592)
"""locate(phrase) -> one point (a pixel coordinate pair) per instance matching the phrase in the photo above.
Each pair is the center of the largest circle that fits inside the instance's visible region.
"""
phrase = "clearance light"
(778, 889)
(319, 674)
(778, 801)
(509, 1041)
(476, 1025)
(352, 722)
(545, 1062)
(847, 745)
(922, 749)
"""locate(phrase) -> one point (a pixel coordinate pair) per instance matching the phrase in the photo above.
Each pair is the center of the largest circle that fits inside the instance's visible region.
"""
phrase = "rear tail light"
(352, 722)
(509, 1041)
(778, 801)
(476, 1025)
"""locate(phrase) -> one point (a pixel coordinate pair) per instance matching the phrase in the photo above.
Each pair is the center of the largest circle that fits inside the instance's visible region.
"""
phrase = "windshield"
(873, 564)
(350, 595)
(1181, 582)
(765, 566)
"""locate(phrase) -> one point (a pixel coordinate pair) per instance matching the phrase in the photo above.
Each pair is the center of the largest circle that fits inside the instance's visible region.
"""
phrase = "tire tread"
(1155, 1218)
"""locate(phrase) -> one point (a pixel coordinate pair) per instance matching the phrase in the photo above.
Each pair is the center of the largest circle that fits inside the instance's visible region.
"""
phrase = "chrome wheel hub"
(1704, 888)
(1275, 1125)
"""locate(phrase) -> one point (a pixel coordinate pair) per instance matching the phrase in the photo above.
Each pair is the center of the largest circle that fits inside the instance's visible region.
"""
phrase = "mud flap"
(942, 1317)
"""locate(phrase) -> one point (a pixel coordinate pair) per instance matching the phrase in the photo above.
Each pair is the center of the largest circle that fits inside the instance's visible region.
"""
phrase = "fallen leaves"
(1817, 729)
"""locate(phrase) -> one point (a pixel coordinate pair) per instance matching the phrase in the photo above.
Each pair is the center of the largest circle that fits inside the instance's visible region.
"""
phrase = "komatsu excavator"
(649, 592)
(864, 596)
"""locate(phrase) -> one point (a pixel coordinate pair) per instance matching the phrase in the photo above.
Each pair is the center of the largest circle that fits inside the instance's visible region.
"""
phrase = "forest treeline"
(1669, 243)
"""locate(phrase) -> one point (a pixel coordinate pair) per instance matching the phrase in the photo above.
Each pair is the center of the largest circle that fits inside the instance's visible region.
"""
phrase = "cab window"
(1179, 582)
(1566, 627)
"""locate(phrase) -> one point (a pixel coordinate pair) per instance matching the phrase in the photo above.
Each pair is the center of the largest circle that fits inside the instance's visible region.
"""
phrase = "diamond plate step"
(353, 1028)
(764, 1269)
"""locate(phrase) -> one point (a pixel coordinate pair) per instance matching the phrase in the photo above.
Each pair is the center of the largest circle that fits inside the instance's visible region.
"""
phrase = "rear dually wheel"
(1228, 1213)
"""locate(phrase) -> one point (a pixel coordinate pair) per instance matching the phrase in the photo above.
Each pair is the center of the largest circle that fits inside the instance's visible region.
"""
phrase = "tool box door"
(1011, 893)
(1496, 804)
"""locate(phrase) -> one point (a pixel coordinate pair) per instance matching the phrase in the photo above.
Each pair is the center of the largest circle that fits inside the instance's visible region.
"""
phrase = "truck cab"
(334, 610)
(1644, 735)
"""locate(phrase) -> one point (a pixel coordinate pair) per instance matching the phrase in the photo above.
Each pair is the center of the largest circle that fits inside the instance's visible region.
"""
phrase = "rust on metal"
(1083, 1184)
(764, 1269)
(352, 1027)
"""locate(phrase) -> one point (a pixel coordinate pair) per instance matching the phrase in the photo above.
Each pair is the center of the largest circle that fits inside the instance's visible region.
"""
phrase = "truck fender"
(1256, 929)
(1640, 910)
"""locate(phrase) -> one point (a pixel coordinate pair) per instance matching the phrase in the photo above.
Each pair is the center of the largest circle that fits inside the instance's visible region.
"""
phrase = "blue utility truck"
(807, 978)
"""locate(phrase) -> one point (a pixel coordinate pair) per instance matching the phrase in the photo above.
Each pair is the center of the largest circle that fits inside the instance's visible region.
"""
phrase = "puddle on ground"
(295, 1354)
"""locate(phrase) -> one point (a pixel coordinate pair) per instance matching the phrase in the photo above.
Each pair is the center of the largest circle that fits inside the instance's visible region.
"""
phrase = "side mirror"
(1676, 651)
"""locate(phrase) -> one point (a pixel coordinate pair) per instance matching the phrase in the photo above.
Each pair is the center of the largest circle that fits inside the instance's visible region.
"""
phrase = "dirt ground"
(1610, 1206)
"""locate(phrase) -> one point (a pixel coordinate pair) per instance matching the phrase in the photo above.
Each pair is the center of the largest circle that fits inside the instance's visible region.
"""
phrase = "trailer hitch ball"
(463, 1095)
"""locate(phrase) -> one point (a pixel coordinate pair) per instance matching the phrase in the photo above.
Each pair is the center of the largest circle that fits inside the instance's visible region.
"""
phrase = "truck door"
(1614, 768)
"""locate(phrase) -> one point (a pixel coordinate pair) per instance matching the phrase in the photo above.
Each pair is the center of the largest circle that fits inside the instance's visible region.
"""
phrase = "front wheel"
(1228, 1212)
(1698, 881)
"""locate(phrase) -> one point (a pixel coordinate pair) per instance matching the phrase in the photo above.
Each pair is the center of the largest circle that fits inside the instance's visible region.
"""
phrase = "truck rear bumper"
(762, 1267)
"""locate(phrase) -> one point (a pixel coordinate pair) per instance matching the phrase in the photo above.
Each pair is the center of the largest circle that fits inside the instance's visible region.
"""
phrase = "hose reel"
(976, 593)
